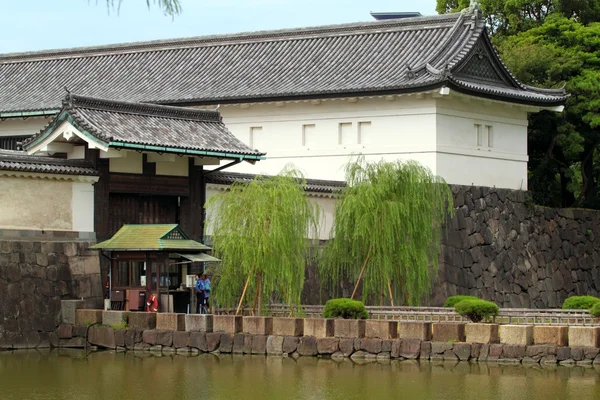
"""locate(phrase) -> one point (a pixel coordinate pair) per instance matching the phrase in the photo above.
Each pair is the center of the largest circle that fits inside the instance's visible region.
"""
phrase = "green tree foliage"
(476, 310)
(452, 300)
(169, 7)
(387, 229)
(580, 302)
(345, 308)
(595, 310)
(562, 146)
(260, 232)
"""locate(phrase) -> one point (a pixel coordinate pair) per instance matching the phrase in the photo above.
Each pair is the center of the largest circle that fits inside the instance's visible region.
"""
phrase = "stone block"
(288, 327)
(448, 332)
(372, 346)
(180, 339)
(73, 343)
(64, 331)
(415, 330)
(584, 336)
(259, 344)
(132, 337)
(425, 351)
(102, 336)
(481, 333)
(197, 340)
(563, 353)
(238, 344)
(170, 322)
(120, 338)
(346, 346)
(68, 310)
(79, 331)
(513, 351)
(227, 323)
(328, 345)
(290, 344)
(150, 337)
(410, 348)
(556, 335)
(319, 327)
(199, 323)
(308, 346)
(257, 325)
(440, 347)
(275, 345)
(85, 317)
(213, 340)
(248, 344)
(142, 320)
(516, 334)
(381, 329)
(114, 318)
(226, 344)
(164, 338)
(349, 328)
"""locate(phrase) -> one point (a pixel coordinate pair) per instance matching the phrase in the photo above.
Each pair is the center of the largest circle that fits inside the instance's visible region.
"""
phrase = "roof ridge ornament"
(474, 8)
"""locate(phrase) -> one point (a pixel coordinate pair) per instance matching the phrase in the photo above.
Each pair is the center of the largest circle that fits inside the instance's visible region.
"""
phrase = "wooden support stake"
(243, 295)
(362, 271)
(391, 294)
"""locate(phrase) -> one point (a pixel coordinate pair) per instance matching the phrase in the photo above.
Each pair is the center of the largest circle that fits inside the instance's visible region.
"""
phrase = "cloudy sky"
(28, 25)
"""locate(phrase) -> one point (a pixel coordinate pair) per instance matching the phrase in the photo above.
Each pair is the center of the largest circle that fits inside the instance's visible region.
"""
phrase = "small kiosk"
(148, 259)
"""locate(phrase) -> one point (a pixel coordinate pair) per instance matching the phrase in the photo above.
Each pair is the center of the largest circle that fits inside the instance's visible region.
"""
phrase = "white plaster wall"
(402, 128)
(83, 207)
(461, 160)
(22, 127)
(326, 205)
(130, 162)
(36, 204)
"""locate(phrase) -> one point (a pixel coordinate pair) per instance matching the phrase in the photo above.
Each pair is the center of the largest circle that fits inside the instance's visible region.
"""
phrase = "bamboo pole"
(362, 271)
(243, 295)
(391, 294)
(258, 293)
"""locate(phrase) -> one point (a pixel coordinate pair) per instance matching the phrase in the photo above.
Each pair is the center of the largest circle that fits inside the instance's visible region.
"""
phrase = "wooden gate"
(139, 209)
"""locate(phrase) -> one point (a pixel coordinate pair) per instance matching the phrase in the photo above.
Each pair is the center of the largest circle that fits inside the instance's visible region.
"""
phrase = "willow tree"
(260, 230)
(387, 229)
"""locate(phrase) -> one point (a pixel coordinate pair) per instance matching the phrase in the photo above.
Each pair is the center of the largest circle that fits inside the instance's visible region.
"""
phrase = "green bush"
(345, 308)
(476, 310)
(580, 302)
(452, 300)
(595, 310)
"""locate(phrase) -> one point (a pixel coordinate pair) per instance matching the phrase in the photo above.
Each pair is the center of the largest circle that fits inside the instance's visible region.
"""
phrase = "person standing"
(206, 286)
(199, 293)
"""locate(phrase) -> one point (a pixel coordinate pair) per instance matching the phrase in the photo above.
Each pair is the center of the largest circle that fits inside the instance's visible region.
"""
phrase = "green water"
(107, 375)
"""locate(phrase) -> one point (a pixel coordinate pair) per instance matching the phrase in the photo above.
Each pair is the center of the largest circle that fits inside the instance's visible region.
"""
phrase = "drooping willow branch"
(260, 231)
(387, 229)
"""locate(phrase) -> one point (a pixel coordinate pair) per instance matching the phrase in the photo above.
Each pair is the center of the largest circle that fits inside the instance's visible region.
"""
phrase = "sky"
(29, 25)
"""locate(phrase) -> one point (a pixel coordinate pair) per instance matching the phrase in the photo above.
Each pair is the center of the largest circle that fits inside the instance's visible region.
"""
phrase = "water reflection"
(108, 375)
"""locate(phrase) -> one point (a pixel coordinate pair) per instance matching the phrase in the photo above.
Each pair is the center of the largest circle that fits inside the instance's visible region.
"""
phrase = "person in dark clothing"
(206, 291)
(199, 293)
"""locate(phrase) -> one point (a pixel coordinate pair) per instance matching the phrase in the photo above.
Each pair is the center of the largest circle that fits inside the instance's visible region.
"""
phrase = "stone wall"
(37, 271)
(501, 248)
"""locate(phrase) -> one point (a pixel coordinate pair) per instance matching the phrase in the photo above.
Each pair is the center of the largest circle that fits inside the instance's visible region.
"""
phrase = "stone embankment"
(360, 340)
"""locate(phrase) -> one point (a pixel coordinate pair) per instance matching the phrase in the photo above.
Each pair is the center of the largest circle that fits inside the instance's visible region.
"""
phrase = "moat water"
(70, 375)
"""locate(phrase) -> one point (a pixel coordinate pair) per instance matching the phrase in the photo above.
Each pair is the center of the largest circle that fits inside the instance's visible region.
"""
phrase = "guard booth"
(148, 259)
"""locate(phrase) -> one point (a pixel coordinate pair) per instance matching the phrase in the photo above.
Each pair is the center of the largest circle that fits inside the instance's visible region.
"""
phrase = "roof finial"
(473, 8)
(69, 99)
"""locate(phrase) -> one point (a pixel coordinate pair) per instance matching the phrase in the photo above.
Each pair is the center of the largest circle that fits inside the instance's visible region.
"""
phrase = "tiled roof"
(158, 237)
(11, 160)
(121, 124)
(380, 57)
(312, 185)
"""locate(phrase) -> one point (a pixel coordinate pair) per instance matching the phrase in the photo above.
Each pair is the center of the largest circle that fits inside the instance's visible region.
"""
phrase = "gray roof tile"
(11, 160)
(312, 185)
(364, 58)
(176, 128)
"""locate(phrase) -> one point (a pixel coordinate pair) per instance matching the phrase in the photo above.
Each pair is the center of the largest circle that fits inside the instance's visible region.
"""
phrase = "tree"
(169, 7)
(260, 232)
(562, 146)
(387, 229)
(508, 17)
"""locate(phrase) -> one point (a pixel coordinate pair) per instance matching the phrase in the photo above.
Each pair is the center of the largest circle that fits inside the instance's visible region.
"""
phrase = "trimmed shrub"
(345, 308)
(580, 302)
(452, 300)
(476, 310)
(595, 310)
